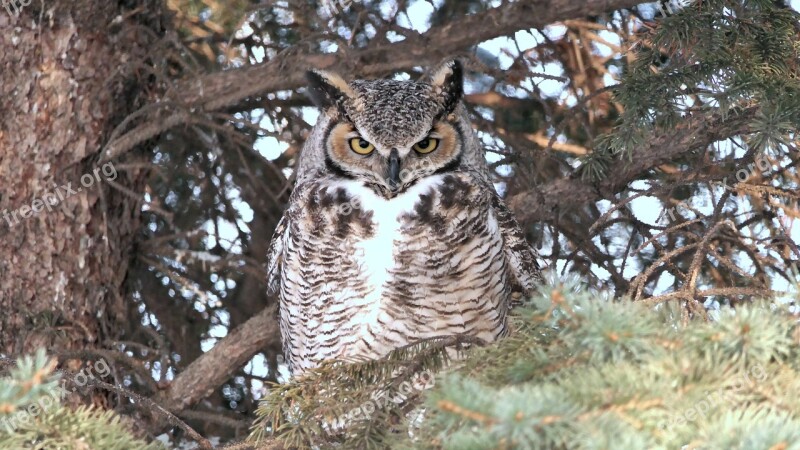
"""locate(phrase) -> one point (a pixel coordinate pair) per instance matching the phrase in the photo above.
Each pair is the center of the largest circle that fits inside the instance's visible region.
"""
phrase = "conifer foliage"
(580, 371)
(586, 372)
(712, 56)
(33, 417)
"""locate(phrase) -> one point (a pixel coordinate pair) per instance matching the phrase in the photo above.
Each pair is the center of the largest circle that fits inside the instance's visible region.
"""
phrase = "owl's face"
(390, 134)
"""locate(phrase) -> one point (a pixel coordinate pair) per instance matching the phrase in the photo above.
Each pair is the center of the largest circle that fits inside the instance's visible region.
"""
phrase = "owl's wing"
(520, 255)
(275, 255)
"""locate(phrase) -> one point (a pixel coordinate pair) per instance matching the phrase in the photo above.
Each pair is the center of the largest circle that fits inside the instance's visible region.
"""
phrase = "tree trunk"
(69, 74)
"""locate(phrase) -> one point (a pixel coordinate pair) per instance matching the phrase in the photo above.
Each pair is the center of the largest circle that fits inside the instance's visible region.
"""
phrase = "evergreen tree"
(679, 333)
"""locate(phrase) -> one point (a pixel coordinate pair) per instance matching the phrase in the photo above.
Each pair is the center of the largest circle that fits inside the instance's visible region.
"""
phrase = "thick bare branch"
(214, 367)
(223, 89)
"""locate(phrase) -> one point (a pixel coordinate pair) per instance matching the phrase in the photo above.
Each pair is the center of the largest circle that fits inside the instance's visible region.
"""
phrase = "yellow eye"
(360, 146)
(426, 145)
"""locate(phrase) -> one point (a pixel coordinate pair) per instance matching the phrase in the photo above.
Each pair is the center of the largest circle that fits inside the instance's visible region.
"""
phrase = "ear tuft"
(448, 79)
(327, 89)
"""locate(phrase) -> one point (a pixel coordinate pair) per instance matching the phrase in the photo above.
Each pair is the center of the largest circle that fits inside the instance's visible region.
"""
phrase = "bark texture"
(68, 77)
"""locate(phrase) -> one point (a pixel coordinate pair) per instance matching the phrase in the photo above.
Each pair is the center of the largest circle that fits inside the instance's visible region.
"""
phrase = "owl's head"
(389, 134)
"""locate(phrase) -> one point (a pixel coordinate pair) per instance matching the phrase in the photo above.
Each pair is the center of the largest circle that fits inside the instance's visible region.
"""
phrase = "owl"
(394, 232)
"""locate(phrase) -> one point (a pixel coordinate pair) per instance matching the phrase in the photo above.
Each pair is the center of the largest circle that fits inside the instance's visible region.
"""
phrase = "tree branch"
(216, 366)
(547, 202)
(223, 89)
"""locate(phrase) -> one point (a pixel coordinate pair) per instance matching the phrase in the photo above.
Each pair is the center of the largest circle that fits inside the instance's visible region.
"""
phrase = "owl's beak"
(394, 169)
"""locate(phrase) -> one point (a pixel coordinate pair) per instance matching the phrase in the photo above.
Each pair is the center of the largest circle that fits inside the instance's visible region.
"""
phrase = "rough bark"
(67, 78)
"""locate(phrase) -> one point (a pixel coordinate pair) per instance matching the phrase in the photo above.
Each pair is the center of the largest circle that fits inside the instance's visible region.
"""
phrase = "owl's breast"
(434, 262)
(376, 251)
(370, 274)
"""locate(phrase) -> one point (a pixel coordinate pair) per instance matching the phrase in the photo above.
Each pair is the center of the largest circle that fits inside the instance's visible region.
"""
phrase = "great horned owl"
(394, 232)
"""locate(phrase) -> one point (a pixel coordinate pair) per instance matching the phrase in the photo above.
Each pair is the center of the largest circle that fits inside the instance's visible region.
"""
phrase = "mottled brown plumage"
(385, 241)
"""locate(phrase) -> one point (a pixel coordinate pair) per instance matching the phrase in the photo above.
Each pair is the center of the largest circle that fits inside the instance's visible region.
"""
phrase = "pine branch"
(33, 417)
(582, 371)
(544, 203)
(354, 404)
